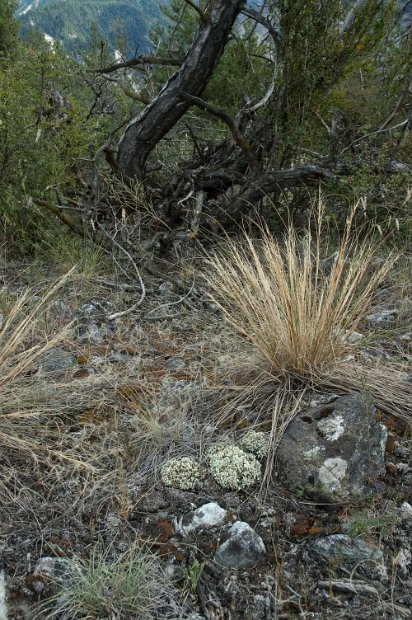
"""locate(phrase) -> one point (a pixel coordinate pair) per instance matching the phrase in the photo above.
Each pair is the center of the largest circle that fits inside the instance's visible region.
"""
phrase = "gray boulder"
(333, 452)
(243, 549)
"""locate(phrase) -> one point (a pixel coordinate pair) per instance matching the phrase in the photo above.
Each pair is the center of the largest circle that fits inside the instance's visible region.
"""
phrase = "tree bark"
(145, 131)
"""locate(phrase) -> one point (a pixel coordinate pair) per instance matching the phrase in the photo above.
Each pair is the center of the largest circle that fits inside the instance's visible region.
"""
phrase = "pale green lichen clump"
(233, 468)
(256, 442)
(181, 473)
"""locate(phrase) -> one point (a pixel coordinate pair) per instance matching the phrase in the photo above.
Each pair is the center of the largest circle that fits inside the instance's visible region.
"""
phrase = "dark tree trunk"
(145, 131)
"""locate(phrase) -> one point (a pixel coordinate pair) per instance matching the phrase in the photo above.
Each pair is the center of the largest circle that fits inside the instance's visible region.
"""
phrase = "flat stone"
(55, 360)
(343, 551)
(332, 452)
(52, 567)
(243, 548)
(354, 337)
(174, 363)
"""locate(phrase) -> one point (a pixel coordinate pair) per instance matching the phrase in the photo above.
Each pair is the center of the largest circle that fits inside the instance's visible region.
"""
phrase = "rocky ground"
(328, 536)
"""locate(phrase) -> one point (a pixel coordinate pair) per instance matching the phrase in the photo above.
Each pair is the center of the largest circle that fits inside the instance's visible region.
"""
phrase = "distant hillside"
(69, 21)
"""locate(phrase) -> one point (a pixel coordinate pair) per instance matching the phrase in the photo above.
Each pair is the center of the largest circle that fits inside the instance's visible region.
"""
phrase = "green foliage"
(314, 61)
(8, 27)
(369, 522)
(53, 118)
(55, 112)
(193, 575)
(242, 75)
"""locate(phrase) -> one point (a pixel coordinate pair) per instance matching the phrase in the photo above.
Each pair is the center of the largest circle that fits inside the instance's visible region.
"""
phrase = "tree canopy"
(238, 107)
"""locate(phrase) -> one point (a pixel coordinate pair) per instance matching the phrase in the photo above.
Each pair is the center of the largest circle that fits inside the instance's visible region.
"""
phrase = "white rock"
(403, 559)
(208, 515)
(406, 510)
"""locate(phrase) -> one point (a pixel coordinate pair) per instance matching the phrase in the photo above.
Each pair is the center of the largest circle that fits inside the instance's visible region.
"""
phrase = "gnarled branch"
(139, 61)
(146, 130)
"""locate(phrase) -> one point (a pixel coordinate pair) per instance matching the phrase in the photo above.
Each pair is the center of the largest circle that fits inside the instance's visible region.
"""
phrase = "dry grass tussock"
(298, 312)
(33, 407)
(164, 423)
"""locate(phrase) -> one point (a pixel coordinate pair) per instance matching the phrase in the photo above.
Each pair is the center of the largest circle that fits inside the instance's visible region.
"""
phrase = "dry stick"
(262, 101)
(407, 91)
(347, 23)
(172, 303)
(374, 133)
(261, 19)
(60, 214)
(117, 315)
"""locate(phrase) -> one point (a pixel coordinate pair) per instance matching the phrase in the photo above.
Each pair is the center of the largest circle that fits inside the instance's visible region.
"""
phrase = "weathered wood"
(145, 131)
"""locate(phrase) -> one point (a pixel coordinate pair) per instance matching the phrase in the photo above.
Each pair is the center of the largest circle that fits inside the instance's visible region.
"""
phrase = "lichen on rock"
(233, 468)
(181, 473)
(256, 442)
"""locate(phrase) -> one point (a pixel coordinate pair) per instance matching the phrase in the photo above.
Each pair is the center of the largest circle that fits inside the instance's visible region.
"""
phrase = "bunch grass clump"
(297, 310)
(106, 585)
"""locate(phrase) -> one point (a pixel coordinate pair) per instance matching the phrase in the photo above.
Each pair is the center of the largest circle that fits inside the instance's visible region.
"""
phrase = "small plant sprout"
(193, 575)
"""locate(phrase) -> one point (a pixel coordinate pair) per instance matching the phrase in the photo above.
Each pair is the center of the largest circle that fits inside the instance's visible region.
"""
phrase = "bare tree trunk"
(145, 131)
